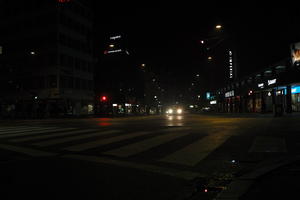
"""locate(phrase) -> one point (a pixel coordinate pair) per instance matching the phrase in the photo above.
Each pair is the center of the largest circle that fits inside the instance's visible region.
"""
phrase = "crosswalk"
(112, 146)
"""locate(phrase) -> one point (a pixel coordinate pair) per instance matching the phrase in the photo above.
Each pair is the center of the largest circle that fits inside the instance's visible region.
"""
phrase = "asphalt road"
(149, 157)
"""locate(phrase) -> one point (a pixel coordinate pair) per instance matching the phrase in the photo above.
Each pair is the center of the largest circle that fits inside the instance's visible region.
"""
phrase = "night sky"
(167, 37)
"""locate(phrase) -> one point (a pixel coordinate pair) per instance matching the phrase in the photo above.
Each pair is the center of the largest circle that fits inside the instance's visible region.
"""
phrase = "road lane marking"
(4, 128)
(27, 130)
(144, 145)
(27, 151)
(197, 151)
(181, 174)
(97, 143)
(18, 128)
(39, 137)
(78, 137)
(35, 132)
(268, 144)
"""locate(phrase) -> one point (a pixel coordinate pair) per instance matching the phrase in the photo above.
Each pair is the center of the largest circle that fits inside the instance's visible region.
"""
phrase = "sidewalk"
(251, 115)
(282, 183)
(279, 180)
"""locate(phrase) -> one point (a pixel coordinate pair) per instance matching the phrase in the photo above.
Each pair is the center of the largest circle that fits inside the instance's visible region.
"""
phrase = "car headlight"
(170, 111)
(179, 111)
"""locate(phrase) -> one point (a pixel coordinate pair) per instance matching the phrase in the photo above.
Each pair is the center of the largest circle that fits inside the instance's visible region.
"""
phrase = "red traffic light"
(103, 98)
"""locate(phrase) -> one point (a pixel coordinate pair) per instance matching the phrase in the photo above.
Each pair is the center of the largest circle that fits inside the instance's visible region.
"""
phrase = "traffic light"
(103, 98)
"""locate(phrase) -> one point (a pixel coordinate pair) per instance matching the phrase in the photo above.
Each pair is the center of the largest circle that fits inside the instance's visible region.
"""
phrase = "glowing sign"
(113, 51)
(296, 90)
(115, 37)
(229, 94)
(213, 102)
(261, 85)
(230, 64)
(207, 95)
(271, 82)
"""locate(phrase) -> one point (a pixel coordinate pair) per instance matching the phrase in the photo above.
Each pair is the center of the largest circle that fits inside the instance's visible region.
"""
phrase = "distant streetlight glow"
(32, 52)
(209, 58)
(218, 26)
(202, 41)
(111, 46)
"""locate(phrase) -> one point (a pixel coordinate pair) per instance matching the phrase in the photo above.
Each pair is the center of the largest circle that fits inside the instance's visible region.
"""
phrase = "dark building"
(46, 59)
(118, 77)
(131, 87)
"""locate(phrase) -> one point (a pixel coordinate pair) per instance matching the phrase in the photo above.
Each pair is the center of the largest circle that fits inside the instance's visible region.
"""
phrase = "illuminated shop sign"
(229, 94)
(115, 37)
(114, 51)
(271, 82)
(261, 85)
(207, 95)
(213, 102)
(296, 90)
(230, 64)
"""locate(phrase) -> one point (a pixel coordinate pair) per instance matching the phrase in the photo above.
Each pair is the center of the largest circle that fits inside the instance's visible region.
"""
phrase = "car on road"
(174, 110)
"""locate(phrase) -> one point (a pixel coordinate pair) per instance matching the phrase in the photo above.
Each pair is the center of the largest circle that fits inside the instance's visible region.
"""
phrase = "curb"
(240, 186)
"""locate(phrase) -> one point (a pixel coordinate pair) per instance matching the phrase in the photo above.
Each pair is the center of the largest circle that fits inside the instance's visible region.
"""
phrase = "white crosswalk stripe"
(26, 130)
(144, 145)
(27, 151)
(193, 153)
(6, 128)
(101, 142)
(10, 135)
(74, 138)
(59, 134)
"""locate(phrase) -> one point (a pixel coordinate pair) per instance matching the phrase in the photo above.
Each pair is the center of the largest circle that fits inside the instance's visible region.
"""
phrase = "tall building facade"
(46, 58)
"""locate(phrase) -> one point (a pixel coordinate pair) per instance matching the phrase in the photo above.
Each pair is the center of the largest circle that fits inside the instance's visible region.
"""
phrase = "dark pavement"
(149, 157)
(280, 183)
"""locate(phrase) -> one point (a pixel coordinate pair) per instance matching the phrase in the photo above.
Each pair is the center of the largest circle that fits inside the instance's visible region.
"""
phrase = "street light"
(218, 26)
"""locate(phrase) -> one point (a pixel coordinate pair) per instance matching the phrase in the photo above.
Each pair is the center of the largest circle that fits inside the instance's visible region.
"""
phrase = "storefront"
(296, 98)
